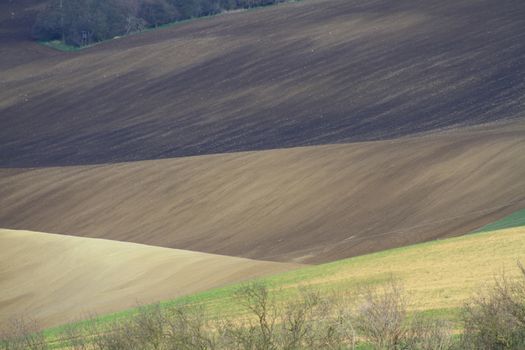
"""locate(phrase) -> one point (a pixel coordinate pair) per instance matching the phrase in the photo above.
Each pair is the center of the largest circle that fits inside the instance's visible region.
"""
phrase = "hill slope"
(438, 276)
(56, 279)
(311, 204)
(311, 72)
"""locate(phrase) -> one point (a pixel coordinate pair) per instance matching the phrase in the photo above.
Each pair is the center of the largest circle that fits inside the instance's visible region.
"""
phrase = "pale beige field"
(309, 204)
(55, 279)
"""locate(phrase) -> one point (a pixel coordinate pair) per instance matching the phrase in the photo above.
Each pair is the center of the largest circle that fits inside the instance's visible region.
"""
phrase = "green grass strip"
(516, 219)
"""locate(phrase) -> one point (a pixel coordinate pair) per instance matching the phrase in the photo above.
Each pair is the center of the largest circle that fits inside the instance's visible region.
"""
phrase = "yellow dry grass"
(436, 275)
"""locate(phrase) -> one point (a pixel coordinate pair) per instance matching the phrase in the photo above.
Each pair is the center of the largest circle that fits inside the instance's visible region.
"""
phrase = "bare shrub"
(381, 318)
(21, 333)
(256, 298)
(382, 321)
(115, 336)
(148, 327)
(428, 334)
(316, 322)
(259, 335)
(297, 323)
(333, 333)
(73, 337)
(188, 328)
(495, 318)
(94, 332)
(310, 321)
(143, 331)
(237, 335)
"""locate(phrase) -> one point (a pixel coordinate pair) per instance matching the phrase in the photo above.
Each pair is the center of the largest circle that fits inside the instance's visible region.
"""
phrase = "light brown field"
(55, 279)
(311, 204)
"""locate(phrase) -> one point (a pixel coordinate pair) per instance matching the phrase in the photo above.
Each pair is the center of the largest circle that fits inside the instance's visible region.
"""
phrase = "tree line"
(82, 22)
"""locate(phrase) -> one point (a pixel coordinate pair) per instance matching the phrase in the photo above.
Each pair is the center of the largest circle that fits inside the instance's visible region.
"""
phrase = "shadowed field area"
(16, 20)
(56, 279)
(312, 72)
(311, 204)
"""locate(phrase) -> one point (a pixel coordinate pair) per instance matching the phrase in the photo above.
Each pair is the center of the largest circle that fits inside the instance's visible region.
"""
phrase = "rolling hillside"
(311, 204)
(220, 149)
(311, 72)
(437, 277)
(56, 279)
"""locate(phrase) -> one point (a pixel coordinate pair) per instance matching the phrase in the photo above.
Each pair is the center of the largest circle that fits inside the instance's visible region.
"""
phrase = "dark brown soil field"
(16, 20)
(16, 46)
(312, 72)
(311, 204)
